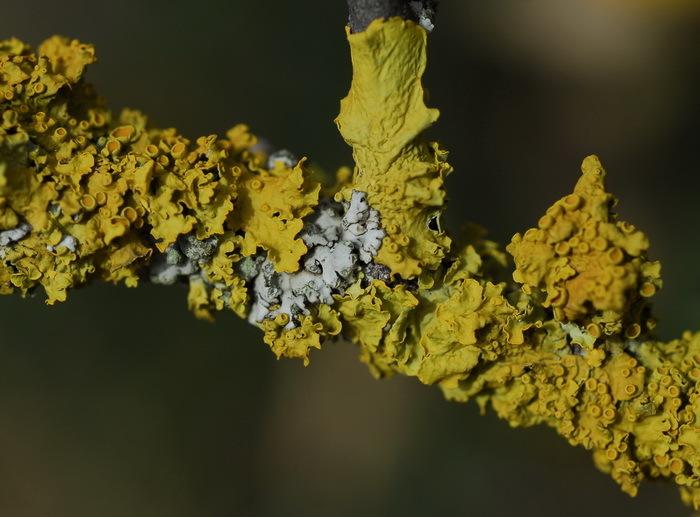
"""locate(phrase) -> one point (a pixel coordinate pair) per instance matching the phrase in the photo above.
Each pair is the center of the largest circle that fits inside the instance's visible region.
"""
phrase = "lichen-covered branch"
(557, 331)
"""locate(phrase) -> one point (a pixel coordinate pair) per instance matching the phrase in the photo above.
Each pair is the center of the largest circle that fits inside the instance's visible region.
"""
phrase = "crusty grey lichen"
(342, 240)
(182, 259)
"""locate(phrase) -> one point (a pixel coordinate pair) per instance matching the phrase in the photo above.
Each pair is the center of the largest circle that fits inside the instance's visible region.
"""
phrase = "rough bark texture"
(362, 12)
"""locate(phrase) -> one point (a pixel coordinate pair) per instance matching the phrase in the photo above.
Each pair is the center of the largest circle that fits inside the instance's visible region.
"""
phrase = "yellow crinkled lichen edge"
(124, 190)
(380, 118)
(567, 342)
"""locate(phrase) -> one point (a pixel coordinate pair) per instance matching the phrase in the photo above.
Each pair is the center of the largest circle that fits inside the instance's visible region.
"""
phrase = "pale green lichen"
(567, 342)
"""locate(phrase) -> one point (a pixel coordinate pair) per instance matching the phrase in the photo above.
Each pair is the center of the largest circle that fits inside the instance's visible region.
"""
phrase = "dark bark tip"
(363, 12)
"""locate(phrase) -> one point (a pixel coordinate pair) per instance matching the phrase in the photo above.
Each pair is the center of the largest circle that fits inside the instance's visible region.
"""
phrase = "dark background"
(119, 402)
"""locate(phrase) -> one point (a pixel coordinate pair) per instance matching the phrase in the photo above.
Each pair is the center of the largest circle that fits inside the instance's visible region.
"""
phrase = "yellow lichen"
(272, 205)
(380, 118)
(123, 192)
(299, 341)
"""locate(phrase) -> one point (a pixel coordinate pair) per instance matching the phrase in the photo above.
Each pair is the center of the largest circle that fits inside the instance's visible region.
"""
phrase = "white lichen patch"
(68, 241)
(342, 240)
(424, 14)
(9, 237)
(283, 158)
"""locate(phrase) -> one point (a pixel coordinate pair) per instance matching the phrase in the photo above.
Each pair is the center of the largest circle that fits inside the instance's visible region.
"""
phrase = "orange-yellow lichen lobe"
(585, 263)
(272, 206)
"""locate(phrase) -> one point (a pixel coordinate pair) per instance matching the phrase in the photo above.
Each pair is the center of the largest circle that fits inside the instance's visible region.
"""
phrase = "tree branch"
(568, 342)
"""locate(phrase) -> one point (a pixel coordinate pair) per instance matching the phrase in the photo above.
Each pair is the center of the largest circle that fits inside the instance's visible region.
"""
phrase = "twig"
(363, 12)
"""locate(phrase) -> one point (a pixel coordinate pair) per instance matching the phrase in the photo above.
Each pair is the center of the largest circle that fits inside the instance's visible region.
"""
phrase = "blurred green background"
(120, 403)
